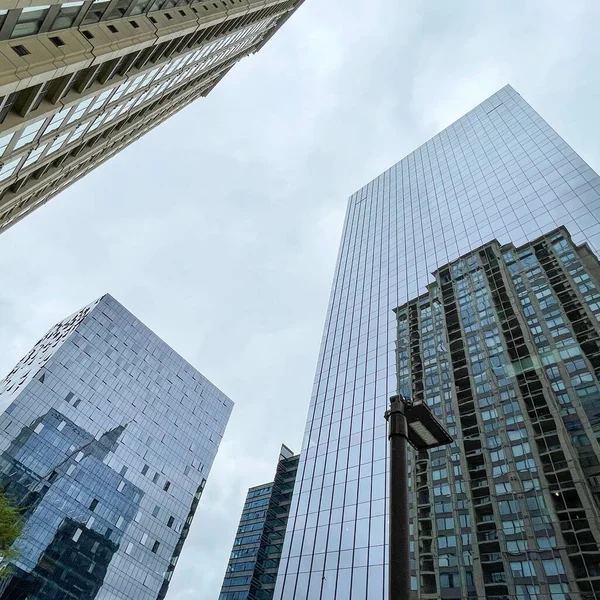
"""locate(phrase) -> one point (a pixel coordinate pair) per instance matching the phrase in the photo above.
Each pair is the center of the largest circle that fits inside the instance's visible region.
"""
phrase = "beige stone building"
(81, 80)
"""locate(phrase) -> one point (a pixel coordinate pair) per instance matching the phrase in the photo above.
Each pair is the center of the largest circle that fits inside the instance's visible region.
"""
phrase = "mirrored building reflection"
(254, 560)
(505, 349)
(500, 172)
(107, 438)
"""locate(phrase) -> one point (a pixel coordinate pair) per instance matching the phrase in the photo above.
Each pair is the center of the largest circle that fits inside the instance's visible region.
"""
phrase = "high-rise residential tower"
(107, 437)
(500, 172)
(252, 569)
(81, 80)
(505, 349)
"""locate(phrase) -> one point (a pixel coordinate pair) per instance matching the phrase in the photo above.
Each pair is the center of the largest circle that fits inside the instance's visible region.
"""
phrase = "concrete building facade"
(81, 80)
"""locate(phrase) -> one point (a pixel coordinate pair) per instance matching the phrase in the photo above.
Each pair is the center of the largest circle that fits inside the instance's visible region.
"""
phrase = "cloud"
(220, 229)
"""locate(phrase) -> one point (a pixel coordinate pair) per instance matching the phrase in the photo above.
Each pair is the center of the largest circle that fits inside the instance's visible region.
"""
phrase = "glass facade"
(505, 349)
(500, 172)
(252, 569)
(107, 437)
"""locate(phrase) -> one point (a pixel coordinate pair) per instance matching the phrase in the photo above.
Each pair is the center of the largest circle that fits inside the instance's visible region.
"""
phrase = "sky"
(220, 228)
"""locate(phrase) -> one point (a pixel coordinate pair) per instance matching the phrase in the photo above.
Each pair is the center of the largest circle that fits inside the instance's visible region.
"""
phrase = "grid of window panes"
(106, 444)
(505, 349)
(252, 569)
(56, 16)
(499, 172)
(39, 140)
(240, 582)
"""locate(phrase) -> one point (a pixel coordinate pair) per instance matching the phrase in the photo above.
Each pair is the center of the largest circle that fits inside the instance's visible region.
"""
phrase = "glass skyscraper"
(500, 172)
(254, 560)
(107, 437)
(505, 349)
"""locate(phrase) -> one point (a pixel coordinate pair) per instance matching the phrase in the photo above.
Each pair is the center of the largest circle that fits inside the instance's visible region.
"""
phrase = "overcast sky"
(220, 229)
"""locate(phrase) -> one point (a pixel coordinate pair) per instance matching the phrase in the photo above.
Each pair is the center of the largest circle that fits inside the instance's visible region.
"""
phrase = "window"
(546, 543)
(526, 465)
(167, 486)
(66, 16)
(56, 41)
(516, 546)
(447, 541)
(559, 591)
(155, 546)
(87, 34)
(155, 511)
(511, 527)
(129, 548)
(553, 567)
(112, 29)
(30, 20)
(93, 504)
(57, 120)
(77, 534)
(38, 428)
(170, 522)
(21, 50)
(522, 568)
(28, 134)
(119, 521)
(58, 142)
(145, 469)
(134, 24)
(448, 560)
(497, 455)
(449, 580)
(120, 486)
(144, 539)
(69, 396)
(529, 592)
(4, 142)
(509, 507)
(79, 456)
(439, 474)
(499, 470)
(444, 523)
(531, 484)
(155, 478)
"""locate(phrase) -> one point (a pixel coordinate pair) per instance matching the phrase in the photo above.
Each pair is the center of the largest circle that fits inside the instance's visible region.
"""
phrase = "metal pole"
(399, 558)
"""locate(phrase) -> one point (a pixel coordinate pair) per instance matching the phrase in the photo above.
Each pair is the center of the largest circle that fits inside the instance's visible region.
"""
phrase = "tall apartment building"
(252, 569)
(81, 80)
(107, 437)
(505, 349)
(500, 172)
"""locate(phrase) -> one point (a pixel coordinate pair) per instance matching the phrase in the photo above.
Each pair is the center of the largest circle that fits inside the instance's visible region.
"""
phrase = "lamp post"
(415, 424)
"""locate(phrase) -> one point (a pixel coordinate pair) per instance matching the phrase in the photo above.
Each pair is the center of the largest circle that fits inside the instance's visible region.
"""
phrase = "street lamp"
(416, 424)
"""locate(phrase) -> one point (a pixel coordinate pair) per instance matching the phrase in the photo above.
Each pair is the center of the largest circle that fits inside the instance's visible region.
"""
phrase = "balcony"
(491, 557)
(494, 578)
